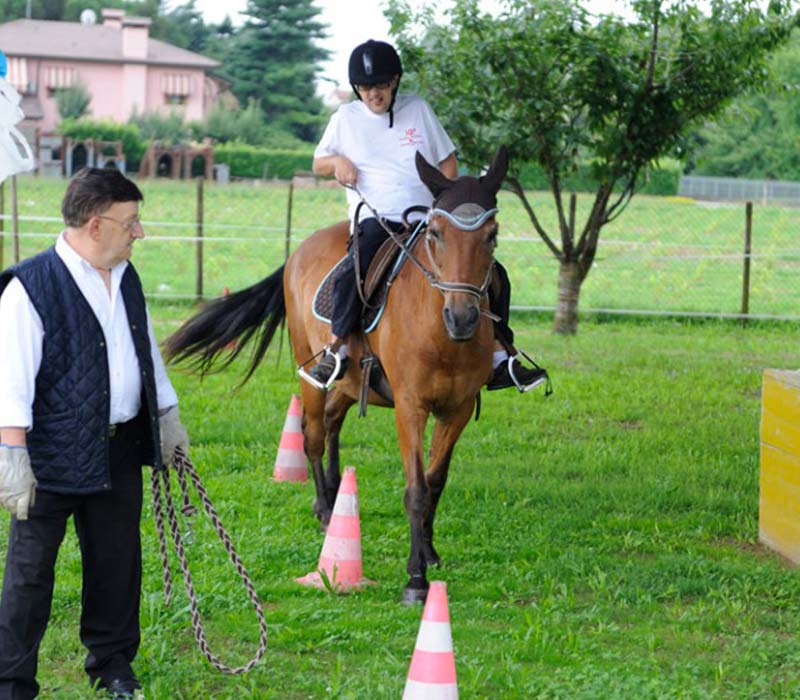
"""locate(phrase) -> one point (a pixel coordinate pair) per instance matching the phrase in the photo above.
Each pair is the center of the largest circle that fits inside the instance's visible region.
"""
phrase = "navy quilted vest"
(68, 444)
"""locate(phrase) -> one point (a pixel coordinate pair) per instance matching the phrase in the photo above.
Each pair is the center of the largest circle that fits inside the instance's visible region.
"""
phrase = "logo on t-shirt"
(411, 137)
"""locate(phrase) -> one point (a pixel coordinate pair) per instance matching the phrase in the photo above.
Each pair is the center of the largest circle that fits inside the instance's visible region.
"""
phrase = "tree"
(757, 136)
(73, 102)
(559, 87)
(275, 61)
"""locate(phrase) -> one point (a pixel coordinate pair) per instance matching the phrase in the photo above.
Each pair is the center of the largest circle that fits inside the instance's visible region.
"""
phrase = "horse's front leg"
(445, 434)
(410, 432)
(314, 444)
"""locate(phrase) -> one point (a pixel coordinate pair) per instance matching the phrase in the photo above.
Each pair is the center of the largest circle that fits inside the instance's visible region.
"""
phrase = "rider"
(372, 142)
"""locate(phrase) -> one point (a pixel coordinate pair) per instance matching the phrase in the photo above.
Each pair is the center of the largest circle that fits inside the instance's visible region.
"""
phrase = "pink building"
(123, 69)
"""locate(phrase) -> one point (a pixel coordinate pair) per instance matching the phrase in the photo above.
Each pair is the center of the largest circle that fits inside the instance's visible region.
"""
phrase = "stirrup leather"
(334, 375)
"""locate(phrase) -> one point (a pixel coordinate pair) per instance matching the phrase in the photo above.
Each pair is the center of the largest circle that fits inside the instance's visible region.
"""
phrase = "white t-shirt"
(384, 157)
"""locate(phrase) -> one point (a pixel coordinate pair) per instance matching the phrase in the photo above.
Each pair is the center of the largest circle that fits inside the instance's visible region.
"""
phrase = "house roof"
(35, 38)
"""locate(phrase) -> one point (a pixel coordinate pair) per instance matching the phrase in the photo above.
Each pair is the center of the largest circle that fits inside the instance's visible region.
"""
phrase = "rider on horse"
(373, 141)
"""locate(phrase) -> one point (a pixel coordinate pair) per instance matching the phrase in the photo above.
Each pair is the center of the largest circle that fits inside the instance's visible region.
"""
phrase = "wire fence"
(663, 256)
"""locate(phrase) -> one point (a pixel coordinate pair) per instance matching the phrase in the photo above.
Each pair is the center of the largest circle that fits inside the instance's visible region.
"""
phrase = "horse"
(434, 342)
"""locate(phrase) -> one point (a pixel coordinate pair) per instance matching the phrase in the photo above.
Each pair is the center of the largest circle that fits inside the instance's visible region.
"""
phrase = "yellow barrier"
(779, 500)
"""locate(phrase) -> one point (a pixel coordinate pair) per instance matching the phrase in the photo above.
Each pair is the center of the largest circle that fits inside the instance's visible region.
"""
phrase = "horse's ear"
(433, 178)
(497, 171)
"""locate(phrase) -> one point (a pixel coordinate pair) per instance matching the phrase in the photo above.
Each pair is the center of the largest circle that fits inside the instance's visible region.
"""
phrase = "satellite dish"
(88, 16)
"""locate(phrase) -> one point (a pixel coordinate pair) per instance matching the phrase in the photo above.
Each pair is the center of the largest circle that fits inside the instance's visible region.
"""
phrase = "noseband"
(465, 217)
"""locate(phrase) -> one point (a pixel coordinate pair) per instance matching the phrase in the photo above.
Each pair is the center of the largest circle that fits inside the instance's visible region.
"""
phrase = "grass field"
(662, 254)
(599, 544)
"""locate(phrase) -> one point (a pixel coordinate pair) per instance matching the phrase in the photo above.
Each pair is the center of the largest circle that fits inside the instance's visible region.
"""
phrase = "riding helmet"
(375, 62)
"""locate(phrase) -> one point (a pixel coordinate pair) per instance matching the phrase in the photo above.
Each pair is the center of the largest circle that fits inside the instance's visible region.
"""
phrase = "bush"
(170, 129)
(251, 161)
(73, 102)
(132, 143)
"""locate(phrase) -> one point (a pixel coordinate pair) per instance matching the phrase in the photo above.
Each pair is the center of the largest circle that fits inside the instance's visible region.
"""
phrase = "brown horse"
(434, 341)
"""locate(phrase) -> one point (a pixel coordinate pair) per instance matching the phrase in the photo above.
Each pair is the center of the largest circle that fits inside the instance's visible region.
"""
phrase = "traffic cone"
(339, 565)
(290, 464)
(432, 674)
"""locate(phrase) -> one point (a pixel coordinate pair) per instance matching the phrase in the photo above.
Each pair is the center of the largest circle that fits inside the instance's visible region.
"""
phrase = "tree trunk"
(569, 289)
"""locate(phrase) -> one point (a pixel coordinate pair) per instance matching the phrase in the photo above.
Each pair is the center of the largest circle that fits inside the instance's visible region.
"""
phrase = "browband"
(470, 217)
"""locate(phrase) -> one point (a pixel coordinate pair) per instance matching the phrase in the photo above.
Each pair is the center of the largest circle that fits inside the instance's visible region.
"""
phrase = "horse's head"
(461, 238)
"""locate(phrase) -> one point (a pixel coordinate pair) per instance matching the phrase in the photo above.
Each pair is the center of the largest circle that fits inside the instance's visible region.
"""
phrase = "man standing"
(85, 401)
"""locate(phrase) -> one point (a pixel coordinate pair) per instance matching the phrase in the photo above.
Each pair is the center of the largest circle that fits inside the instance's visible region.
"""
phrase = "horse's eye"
(491, 239)
(435, 234)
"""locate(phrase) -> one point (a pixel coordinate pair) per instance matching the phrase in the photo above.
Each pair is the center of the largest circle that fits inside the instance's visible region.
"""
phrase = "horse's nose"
(461, 322)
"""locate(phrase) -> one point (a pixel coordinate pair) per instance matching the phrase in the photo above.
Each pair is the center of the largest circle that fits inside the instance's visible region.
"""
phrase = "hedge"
(258, 162)
(106, 130)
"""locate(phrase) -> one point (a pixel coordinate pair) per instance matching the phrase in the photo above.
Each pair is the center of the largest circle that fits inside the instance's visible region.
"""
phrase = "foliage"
(251, 161)
(170, 128)
(106, 130)
(275, 60)
(559, 89)
(757, 137)
(73, 102)
(661, 179)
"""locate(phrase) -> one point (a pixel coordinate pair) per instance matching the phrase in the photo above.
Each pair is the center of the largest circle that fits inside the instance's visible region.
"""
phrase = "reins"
(434, 278)
(184, 466)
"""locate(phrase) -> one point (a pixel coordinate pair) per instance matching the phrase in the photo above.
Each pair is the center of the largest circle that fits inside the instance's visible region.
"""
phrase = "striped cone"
(340, 561)
(290, 464)
(432, 674)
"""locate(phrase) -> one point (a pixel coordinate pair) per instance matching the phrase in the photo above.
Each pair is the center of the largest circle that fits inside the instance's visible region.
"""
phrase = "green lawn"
(663, 254)
(599, 544)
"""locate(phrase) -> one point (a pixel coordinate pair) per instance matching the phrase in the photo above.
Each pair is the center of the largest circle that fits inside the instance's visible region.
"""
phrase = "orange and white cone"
(432, 674)
(340, 565)
(290, 464)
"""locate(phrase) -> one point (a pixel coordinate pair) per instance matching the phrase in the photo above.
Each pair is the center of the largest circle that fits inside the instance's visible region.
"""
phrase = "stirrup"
(317, 384)
(523, 389)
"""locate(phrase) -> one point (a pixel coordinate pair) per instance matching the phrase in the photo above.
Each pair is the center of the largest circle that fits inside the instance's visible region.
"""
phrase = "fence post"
(289, 221)
(199, 234)
(15, 217)
(748, 232)
(2, 223)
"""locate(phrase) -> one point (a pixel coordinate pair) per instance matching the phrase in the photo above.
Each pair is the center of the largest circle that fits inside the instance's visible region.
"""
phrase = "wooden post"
(289, 221)
(2, 223)
(748, 232)
(199, 234)
(14, 218)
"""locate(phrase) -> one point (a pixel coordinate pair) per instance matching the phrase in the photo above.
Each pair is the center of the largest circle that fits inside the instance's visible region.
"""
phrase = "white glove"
(173, 435)
(17, 483)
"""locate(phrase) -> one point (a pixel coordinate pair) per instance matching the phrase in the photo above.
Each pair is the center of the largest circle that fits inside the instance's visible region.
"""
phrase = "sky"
(351, 22)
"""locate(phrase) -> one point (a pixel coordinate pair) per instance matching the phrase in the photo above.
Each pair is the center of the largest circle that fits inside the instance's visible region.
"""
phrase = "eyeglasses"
(128, 226)
(376, 86)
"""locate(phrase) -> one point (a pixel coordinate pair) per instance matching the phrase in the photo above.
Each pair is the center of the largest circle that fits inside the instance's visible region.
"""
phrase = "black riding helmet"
(372, 63)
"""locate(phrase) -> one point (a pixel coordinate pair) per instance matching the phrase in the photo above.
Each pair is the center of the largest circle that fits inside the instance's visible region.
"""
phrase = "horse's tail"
(206, 339)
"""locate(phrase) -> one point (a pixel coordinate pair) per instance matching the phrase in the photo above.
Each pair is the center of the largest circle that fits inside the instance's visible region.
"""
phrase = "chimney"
(112, 17)
(135, 31)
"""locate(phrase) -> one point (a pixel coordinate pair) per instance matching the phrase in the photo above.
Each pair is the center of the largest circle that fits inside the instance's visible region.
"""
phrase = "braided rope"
(183, 466)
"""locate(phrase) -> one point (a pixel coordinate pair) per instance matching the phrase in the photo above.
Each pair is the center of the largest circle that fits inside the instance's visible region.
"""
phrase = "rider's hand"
(17, 482)
(345, 172)
(173, 435)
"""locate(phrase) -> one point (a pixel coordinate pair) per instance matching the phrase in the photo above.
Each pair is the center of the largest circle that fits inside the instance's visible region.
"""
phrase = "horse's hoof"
(412, 595)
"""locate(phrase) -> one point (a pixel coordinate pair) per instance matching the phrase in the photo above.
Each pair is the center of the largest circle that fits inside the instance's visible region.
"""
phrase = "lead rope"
(183, 466)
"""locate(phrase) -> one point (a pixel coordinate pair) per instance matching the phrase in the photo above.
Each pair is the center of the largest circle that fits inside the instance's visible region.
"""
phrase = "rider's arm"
(338, 166)
(449, 166)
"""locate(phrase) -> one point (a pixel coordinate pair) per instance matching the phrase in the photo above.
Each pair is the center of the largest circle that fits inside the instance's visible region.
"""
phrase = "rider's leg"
(508, 370)
(347, 305)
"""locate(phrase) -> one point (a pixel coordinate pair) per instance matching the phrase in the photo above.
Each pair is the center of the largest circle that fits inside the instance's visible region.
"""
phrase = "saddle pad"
(376, 289)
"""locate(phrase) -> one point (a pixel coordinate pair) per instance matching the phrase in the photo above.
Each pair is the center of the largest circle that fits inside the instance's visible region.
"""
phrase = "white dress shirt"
(21, 348)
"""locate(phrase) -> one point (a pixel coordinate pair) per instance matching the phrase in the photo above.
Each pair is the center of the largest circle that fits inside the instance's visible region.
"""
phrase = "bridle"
(469, 223)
